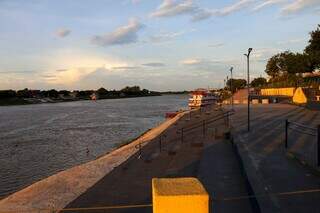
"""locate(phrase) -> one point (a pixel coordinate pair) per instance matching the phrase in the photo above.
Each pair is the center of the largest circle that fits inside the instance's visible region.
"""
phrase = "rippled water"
(37, 141)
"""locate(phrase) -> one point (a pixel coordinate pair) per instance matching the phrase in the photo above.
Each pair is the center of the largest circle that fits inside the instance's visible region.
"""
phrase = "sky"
(157, 44)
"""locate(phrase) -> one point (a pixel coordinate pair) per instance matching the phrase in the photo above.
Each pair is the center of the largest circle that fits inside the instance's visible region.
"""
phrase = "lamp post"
(248, 84)
(231, 89)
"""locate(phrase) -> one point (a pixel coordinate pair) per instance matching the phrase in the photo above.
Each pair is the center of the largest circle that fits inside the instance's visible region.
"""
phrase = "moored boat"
(202, 98)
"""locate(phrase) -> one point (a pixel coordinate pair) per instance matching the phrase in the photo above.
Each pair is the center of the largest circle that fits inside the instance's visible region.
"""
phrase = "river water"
(37, 141)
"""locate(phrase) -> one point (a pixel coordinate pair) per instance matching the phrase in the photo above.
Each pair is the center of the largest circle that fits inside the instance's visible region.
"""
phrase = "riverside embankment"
(191, 146)
(37, 141)
(56, 191)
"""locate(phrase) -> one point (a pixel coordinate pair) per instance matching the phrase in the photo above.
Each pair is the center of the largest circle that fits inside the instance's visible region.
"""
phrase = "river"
(39, 140)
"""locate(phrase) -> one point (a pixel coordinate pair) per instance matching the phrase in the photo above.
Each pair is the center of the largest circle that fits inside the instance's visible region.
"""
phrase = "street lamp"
(248, 85)
(231, 88)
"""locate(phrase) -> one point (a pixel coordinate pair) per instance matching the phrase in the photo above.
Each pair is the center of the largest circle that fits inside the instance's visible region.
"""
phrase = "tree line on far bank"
(133, 91)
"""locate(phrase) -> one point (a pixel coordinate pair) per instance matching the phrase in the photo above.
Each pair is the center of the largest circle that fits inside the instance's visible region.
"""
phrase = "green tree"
(313, 49)
(7, 94)
(236, 84)
(25, 93)
(102, 91)
(258, 82)
(286, 65)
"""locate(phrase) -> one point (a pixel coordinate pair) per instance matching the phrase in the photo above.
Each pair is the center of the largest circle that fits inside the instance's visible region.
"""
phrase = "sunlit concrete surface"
(269, 169)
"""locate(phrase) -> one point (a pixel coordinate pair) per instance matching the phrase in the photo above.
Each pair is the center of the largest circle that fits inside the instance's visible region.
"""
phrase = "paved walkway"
(264, 156)
(198, 155)
(220, 172)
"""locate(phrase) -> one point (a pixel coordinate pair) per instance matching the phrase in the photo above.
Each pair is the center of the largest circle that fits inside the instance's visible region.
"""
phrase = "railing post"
(228, 120)
(182, 135)
(286, 134)
(204, 127)
(318, 145)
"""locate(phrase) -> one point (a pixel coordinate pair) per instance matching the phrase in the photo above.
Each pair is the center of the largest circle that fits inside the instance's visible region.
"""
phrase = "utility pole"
(231, 89)
(248, 84)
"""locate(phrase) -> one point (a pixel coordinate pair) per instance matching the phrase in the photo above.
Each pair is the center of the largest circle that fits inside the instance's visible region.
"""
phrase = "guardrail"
(203, 124)
(303, 129)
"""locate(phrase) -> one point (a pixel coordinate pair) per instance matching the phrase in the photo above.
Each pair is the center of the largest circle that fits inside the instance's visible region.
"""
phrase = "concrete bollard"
(172, 195)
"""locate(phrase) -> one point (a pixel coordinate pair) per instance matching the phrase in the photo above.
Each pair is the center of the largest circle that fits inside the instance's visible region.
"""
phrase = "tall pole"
(248, 84)
(231, 89)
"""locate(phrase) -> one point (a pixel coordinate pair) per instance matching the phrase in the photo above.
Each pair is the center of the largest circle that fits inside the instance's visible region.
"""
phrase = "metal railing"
(182, 132)
(303, 129)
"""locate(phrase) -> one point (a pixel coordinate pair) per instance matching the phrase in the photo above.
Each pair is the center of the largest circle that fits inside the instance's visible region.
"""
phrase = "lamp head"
(249, 50)
(231, 68)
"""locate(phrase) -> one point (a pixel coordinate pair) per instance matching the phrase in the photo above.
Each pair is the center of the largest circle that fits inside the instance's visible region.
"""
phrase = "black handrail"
(304, 129)
(185, 130)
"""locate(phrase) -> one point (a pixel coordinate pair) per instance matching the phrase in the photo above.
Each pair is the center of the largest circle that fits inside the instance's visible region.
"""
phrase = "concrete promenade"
(269, 169)
(200, 155)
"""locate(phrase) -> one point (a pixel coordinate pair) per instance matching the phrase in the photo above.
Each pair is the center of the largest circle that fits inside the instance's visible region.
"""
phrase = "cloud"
(202, 14)
(61, 33)
(123, 35)
(263, 54)
(291, 41)
(154, 64)
(234, 7)
(19, 72)
(216, 45)
(298, 6)
(191, 61)
(198, 61)
(123, 68)
(267, 3)
(170, 8)
(164, 37)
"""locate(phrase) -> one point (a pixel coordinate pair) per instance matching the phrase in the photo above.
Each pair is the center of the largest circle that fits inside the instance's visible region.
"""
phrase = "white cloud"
(299, 5)
(123, 35)
(263, 54)
(164, 37)
(267, 3)
(154, 64)
(234, 7)
(191, 61)
(202, 14)
(216, 45)
(170, 8)
(291, 41)
(62, 32)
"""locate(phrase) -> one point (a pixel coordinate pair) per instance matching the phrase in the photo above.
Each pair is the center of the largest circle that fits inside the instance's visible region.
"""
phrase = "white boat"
(202, 98)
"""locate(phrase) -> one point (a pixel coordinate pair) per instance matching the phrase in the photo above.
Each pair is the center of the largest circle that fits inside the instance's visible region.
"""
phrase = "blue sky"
(157, 44)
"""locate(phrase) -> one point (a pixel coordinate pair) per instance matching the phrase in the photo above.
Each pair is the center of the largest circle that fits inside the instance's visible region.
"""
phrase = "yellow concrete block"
(179, 195)
(278, 91)
(255, 101)
(299, 96)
